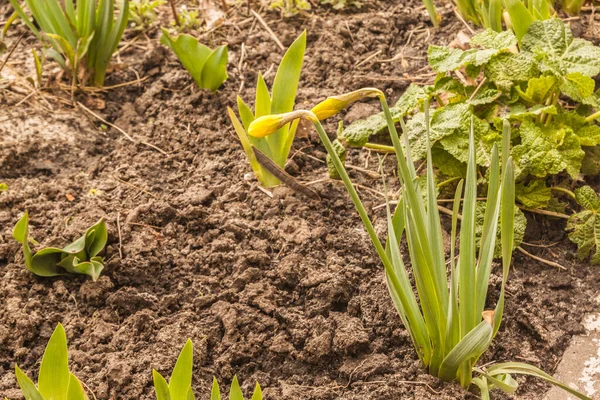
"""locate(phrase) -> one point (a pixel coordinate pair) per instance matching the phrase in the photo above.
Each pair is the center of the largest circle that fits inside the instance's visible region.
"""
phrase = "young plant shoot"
(207, 67)
(80, 257)
(81, 37)
(280, 100)
(180, 384)
(55, 381)
(447, 320)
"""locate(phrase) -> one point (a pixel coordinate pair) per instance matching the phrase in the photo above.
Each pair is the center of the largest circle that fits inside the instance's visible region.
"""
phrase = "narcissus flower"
(269, 124)
(333, 105)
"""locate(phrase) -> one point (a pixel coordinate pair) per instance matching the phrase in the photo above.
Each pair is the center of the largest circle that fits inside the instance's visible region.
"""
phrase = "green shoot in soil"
(55, 381)
(447, 320)
(79, 257)
(280, 100)
(81, 37)
(142, 13)
(179, 386)
(207, 67)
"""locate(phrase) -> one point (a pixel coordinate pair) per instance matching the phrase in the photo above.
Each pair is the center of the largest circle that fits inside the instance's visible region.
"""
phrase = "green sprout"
(3, 187)
(79, 36)
(447, 320)
(340, 4)
(142, 13)
(281, 100)
(55, 381)
(79, 257)
(207, 67)
(289, 8)
(188, 19)
(179, 386)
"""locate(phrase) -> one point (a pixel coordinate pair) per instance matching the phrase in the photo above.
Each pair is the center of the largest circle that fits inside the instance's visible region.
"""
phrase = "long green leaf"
(75, 390)
(214, 72)
(257, 393)
(215, 393)
(520, 18)
(285, 86)
(161, 387)
(181, 378)
(54, 372)
(235, 393)
(27, 386)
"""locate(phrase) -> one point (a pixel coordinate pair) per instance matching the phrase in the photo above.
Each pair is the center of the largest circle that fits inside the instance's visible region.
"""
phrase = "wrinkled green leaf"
(507, 69)
(548, 150)
(490, 39)
(341, 152)
(535, 194)
(585, 225)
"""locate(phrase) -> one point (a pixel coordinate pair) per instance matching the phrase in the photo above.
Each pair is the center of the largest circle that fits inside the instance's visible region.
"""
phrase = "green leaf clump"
(542, 86)
(208, 67)
(79, 257)
(55, 381)
(80, 37)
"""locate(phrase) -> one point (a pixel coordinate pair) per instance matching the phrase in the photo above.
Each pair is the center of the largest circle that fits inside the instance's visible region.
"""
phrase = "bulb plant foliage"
(280, 100)
(80, 36)
(55, 381)
(207, 66)
(446, 318)
(79, 257)
(543, 87)
(180, 385)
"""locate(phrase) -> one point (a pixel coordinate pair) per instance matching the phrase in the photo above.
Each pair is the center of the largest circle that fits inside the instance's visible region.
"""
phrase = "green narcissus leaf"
(490, 39)
(580, 88)
(235, 393)
(520, 226)
(207, 67)
(75, 390)
(548, 150)
(30, 392)
(506, 69)
(341, 152)
(585, 225)
(161, 387)
(257, 393)
(533, 195)
(552, 43)
(53, 381)
(538, 90)
(215, 393)
(181, 378)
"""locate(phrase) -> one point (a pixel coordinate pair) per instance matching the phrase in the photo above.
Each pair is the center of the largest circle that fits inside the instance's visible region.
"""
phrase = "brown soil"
(280, 290)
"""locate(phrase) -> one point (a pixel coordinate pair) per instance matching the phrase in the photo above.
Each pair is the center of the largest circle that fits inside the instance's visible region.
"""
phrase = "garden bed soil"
(277, 289)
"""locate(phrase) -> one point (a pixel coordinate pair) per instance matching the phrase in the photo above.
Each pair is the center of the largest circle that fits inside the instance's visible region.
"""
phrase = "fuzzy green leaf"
(585, 225)
(579, 88)
(548, 150)
(446, 59)
(506, 69)
(490, 39)
(533, 195)
(552, 42)
(538, 90)
(412, 98)
(446, 163)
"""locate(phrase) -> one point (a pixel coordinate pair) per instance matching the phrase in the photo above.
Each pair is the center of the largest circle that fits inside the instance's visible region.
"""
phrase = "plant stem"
(174, 10)
(380, 147)
(592, 117)
(565, 191)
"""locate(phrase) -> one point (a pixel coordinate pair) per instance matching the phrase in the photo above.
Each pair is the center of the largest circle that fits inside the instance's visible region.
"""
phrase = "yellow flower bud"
(265, 125)
(333, 105)
(268, 124)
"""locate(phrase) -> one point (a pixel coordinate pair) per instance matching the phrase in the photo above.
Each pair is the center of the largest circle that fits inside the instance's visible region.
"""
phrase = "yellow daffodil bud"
(268, 124)
(333, 105)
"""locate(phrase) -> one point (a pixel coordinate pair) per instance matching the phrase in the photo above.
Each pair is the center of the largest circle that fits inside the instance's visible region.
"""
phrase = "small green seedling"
(180, 384)
(207, 67)
(235, 393)
(289, 8)
(81, 37)
(55, 381)
(3, 187)
(142, 13)
(281, 100)
(80, 257)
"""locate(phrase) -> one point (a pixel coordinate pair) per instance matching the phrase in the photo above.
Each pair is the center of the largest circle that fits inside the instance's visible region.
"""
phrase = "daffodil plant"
(281, 100)
(207, 66)
(180, 385)
(55, 381)
(80, 36)
(79, 257)
(447, 320)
